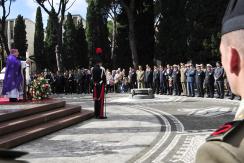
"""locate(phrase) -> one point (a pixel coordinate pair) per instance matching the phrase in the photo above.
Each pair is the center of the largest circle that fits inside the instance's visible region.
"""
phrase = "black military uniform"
(99, 82)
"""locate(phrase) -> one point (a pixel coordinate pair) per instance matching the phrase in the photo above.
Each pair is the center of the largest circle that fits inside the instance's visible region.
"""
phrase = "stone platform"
(144, 93)
(23, 122)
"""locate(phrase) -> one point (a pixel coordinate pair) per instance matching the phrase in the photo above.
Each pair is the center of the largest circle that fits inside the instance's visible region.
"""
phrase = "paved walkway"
(165, 129)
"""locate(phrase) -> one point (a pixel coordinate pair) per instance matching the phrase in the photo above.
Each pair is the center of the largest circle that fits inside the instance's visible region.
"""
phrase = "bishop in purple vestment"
(12, 83)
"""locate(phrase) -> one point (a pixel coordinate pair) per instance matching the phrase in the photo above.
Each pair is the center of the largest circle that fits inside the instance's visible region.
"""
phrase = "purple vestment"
(13, 77)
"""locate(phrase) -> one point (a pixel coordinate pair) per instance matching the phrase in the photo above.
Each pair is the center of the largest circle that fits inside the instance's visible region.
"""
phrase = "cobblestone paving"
(166, 129)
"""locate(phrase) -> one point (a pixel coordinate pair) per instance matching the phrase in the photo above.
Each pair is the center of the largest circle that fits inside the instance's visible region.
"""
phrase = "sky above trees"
(27, 8)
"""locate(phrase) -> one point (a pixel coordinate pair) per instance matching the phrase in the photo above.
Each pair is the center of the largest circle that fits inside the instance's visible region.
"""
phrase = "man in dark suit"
(219, 79)
(209, 81)
(176, 80)
(156, 80)
(200, 75)
(148, 77)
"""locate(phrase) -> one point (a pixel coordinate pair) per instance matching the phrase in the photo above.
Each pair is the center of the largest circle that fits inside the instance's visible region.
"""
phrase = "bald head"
(234, 39)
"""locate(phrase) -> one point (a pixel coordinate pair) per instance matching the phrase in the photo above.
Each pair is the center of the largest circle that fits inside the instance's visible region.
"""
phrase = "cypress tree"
(90, 29)
(20, 41)
(97, 31)
(50, 43)
(122, 51)
(70, 55)
(81, 46)
(39, 42)
(144, 31)
(172, 35)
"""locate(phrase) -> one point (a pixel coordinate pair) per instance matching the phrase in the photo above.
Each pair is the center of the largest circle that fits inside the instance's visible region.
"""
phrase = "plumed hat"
(98, 56)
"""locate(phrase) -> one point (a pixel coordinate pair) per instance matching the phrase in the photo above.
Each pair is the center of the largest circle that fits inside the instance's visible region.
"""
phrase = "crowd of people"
(184, 79)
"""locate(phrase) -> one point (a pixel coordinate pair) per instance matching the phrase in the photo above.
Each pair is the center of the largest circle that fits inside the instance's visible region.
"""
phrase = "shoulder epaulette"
(225, 131)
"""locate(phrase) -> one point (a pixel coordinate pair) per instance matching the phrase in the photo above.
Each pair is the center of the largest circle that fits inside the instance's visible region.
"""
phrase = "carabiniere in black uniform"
(99, 80)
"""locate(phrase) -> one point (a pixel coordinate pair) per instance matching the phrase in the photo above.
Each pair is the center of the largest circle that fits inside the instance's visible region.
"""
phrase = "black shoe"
(13, 100)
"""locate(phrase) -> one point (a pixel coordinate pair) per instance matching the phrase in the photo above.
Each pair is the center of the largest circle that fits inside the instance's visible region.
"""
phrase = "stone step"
(18, 113)
(35, 119)
(28, 134)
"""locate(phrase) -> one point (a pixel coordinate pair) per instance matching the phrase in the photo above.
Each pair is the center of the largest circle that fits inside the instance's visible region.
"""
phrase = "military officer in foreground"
(226, 145)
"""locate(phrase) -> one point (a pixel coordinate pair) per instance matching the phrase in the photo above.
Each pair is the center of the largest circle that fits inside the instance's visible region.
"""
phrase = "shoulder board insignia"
(225, 131)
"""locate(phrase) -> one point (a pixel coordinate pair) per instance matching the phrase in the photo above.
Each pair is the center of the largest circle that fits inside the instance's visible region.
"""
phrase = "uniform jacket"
(176, 76)
(225, 145)
(209, 76)
(148, 76)
(140, 75)
(219, 74)
(162, 76)
(98, 74)
(168, 73)
(156, 76)
(183, 75)
(200, 75)
(190, 74)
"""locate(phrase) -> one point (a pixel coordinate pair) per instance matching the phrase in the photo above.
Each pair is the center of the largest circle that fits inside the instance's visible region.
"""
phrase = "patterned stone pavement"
(165, 129)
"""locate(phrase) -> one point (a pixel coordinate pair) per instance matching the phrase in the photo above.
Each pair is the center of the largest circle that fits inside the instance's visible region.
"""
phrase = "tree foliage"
(50, 43)
(56, 11)
(81, 46)
(189, 30)
(39, 42)
(5, 7)
(69, 38)
(97, 31)
(144, 29)
(20, 41)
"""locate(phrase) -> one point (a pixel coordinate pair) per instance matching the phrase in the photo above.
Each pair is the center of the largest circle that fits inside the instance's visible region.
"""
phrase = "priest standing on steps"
(13, 79)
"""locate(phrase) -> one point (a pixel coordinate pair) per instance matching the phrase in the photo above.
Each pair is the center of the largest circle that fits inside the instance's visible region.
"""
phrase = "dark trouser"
(176, 86)
(210, 89)
(190, 89)
(200, 89)
(66, 88)
(156, 87)
(220, 88)
(97, 103)
(86, 87)
(148, 85)
(163, 87)
(133, 85)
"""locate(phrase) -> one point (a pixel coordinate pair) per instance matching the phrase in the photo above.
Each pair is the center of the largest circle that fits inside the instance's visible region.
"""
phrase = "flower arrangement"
(39, 89)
